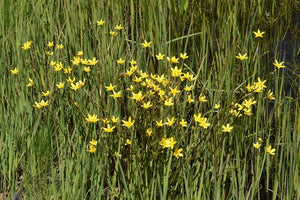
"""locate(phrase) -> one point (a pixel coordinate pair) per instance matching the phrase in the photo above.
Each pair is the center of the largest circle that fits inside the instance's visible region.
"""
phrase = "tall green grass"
(43, 152)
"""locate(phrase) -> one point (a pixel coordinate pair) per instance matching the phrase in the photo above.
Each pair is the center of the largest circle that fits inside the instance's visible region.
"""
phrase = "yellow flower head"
(93, 142)
(59, 46)
(119, 27)
(100, 22)
(242, 57)
(183, 56)
(91, 148)
(120, 61)
(92, 118)
(146, 44)
(50, 44)
(31, 83)
(14, 71)
(160, 56)
(128, 123)
(227, 128)
(279, 65)
(270, 150)
(177, 153)
(258, 33)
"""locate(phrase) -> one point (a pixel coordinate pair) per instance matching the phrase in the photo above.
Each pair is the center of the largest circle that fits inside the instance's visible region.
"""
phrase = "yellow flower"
(116, 94)
(94, 61)
(128, 142)
(120, 61)
(171, 121)
(40, 104)
(146, 44)
(71, 81)
(60, 85)
(259, 85)
(110, 87)
(183, 56)
(108, 129)
(79, 53)
(105, 121)
(31, 83)
(279, 65)
(188, 88)
(169, 102)
(190, 99)
(159, 123)
(227, 128)
(217, 106)
(93, 142)
(147, 105)
(138, 97)
(256, 145)
(91, 148)
(175, 72)
(49, 53)
(183, 123)
(242, 57)
(92, 118)
(119, 27)
(58, 67)
(174, 91)
(160, 56)
(114, 119)
(67, 70)
(117, 154)
(14, 71)
(52, 63)
(50, 44)
(270, 95)
(132, 62)
(59, 46)
(167, 142)
(173, 60)
(113, 33)
(76, 60)
(86, 69)
(27, 45)
(258, 33)
(204, 123)
(46, 93)
(270, 150)
(202, 98)
(177, 153)
(101, 22)
(128, 123)
(149, 132)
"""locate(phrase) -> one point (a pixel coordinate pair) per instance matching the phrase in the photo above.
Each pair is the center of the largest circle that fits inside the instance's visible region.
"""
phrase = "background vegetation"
(43, 151)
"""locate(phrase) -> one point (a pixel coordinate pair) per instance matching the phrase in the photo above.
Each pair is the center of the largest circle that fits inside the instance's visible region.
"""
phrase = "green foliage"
(50, 150)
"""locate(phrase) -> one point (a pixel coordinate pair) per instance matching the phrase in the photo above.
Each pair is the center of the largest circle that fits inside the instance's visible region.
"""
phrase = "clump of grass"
(144, 100)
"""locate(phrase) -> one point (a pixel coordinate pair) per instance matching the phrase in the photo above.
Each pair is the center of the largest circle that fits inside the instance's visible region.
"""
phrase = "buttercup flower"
(258, 33)
(279, 65)
(160, 56)
(146, 44)
(227, 128)
(270, 150)
(31, 83)
(100, 22)
(92, 118)
(128, 123)
(177, 153)
(14, 71)
(242, 57)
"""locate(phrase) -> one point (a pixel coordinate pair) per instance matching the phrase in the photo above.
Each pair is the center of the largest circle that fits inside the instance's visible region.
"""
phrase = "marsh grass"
(43, 151)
